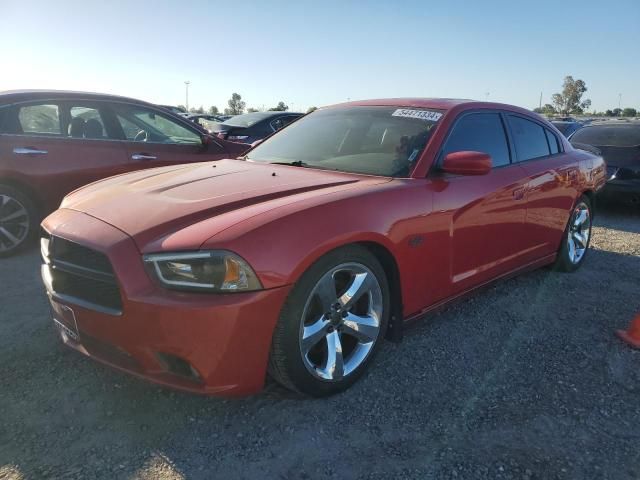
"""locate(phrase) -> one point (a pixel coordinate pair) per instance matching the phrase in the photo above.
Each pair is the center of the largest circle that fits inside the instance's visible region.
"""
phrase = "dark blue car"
(250, 127)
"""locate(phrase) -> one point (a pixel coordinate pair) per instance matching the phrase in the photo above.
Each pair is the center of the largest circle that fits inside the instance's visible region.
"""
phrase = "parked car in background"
(619, 144)
(331, 233)
(52, 142)
(206, 121)
(176, 110)
(566, 127)
(563, 119)
(251, 127)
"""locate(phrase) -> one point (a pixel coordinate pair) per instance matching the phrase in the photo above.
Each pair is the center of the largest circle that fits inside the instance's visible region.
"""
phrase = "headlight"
(214, 271)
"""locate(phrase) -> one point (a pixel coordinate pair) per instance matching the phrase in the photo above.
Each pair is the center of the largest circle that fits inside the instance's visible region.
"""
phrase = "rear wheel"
(18, 220)
(576, 238)
(332, 323)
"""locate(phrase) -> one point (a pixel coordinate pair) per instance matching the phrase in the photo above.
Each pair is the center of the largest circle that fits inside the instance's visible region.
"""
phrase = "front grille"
(82, 275)
(76, 254)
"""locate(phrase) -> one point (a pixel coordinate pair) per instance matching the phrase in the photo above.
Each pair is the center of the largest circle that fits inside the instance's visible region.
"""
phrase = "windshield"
(384, 141)
(247, 119)
(609, 135)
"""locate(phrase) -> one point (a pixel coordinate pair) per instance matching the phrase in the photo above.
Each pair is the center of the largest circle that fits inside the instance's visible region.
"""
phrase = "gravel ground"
(523, 380)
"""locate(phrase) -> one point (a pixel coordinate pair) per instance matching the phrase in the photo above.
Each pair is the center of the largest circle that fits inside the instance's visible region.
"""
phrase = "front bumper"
(223, 338)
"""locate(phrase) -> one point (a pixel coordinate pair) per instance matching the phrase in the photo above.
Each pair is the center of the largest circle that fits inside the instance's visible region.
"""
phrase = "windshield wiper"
(294, 163)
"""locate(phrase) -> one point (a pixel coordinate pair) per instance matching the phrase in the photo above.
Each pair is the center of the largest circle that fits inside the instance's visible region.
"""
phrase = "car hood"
(150, 204)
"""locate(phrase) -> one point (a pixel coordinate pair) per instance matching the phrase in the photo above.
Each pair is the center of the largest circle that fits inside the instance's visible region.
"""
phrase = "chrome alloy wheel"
(14, 223)
(341, 321)
(578, 233)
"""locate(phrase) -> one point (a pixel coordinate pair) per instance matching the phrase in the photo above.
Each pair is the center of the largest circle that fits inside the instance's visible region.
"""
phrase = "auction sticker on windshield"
(429, 115)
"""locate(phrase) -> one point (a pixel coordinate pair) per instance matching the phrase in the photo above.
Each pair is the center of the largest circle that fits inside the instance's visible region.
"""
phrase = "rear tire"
(576, 237)
(18, 220)
(332, 323)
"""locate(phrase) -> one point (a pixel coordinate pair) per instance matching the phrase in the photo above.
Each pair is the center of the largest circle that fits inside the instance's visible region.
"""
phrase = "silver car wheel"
(341, 321)
(578, 233)
(14, 223)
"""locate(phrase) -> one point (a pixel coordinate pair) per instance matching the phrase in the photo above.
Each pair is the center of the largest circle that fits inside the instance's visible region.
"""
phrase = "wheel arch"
(591, 195)
(392, 271)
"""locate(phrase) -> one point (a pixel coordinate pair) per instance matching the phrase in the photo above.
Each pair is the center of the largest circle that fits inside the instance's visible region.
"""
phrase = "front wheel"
(331, 324)
(576, 238)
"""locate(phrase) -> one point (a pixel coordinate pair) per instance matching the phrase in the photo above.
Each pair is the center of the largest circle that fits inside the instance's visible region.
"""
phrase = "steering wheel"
(141, 136)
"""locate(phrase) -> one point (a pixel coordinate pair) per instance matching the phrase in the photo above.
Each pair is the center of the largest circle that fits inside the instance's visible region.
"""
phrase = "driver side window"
(480, 132)
(142, 125)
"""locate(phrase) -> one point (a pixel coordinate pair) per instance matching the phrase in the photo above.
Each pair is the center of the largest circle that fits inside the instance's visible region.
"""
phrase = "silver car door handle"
(29, 151)
(142, 156)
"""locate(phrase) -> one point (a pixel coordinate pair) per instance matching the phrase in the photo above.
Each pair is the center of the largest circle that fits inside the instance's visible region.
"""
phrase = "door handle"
(518, 193)
(29, 151)
(143, 156)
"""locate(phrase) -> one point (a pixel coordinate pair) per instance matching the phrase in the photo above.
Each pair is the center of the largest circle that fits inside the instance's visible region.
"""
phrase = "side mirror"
(467, 163)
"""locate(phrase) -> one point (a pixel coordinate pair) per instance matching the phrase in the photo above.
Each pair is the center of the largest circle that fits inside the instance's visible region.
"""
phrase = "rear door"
(552, 183)
(487, 212)
(154, 139)
(48, 146)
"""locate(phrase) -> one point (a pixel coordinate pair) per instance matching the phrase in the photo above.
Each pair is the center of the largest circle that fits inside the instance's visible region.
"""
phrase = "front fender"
(283, 243)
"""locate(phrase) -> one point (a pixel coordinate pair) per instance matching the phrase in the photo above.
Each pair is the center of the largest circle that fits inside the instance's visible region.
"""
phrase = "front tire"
(18, 220)
(576, 237)
(332, 323)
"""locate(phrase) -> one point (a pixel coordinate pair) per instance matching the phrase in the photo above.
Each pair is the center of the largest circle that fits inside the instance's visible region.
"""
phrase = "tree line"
(569, 101)
(237, 106)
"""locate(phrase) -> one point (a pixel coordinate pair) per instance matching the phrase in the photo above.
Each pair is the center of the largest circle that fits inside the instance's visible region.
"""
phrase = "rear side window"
(529, 138)
(480, 132)
(553, 142)
(39, 119)
(85, 122)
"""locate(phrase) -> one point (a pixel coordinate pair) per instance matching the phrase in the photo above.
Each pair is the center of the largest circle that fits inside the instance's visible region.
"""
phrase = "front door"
(154, 139)
(485, 214)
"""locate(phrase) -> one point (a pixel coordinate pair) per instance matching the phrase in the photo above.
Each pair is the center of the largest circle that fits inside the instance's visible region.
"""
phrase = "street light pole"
(619, 101)
(186, 84)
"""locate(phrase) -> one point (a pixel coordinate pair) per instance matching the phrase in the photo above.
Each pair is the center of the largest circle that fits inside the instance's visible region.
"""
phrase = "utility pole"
(186, 84)
(540, 101)
(620, 101)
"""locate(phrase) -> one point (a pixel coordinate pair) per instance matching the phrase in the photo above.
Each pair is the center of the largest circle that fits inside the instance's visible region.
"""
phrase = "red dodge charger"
(299, 258)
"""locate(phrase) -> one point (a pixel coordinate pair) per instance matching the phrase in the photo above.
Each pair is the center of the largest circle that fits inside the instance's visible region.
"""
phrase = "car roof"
(10, 96)
(435, 103)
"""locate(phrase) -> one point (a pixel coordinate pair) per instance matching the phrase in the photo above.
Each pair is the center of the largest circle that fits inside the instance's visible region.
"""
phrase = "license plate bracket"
(65, 319)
